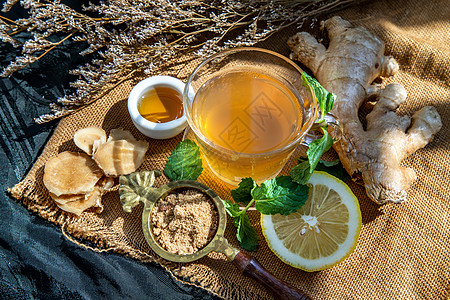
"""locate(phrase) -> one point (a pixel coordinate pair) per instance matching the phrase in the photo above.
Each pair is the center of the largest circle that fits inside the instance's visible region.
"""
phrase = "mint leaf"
(184, 163)
(246, 233)
(243, 192)
(317, 148)
(334, 168)
(301, 172)
(279, 195)
(325, 99)
(232, 208)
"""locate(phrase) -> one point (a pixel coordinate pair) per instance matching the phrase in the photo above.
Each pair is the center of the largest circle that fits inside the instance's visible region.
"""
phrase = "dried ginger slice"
(120, 157)
(71, 173)
(104, 184)
(120, 134)
(76, 204)
(82, 202)
(86, 137)
(63, 199)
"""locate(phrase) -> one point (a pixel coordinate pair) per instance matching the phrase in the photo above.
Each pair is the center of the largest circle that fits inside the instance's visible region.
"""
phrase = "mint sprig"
(302, 172)
(278, 195)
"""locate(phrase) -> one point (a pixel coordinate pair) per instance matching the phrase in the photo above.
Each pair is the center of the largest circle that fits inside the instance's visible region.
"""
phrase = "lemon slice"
(321, 233)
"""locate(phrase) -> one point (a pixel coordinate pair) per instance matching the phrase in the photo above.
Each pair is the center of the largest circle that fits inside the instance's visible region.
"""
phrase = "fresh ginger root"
(353, 60)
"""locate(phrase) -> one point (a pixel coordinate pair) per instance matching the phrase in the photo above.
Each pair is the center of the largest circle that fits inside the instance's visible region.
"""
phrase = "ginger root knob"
(353, 60)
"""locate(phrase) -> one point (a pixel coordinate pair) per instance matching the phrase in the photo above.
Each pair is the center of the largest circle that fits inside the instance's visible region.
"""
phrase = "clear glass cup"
(248, 110)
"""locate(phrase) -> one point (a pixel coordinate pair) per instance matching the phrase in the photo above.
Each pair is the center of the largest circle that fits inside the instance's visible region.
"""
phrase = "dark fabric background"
(36, 260)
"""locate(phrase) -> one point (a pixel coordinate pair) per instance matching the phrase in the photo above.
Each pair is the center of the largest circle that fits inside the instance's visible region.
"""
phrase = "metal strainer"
(137, 187)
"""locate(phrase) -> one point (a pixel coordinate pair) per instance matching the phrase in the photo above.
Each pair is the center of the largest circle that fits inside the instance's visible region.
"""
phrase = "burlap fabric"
(403, 250)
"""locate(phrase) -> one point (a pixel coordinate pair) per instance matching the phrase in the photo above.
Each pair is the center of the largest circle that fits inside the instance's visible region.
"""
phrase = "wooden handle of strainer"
(250, 267)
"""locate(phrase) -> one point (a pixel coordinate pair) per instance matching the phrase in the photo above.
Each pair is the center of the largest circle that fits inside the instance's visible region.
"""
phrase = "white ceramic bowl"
(155, 130)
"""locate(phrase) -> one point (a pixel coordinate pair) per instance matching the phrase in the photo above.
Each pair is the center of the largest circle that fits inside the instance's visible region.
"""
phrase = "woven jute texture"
(403, 250)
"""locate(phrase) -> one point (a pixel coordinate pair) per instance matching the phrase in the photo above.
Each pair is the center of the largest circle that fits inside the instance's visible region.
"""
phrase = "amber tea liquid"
(251, 114)
(161, 104)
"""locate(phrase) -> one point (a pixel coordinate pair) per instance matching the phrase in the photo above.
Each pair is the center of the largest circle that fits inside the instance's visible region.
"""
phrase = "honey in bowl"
(161, 104)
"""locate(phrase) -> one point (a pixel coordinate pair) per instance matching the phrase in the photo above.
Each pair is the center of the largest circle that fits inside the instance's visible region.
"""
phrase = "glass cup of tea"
(248, 110)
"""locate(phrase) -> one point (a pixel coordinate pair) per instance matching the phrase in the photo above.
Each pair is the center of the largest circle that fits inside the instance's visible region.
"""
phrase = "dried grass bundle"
(131, 37)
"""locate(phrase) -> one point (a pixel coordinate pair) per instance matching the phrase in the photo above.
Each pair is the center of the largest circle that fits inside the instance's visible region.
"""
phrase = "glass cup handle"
(333, 127)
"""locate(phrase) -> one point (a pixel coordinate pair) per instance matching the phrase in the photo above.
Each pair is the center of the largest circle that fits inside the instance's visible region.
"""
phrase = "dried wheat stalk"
(133, 37)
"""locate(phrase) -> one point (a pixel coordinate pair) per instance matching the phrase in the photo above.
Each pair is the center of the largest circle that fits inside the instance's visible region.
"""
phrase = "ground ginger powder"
(184, 222)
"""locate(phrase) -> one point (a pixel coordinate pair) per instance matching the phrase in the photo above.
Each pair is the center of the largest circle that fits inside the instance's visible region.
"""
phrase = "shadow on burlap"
(403, 250)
